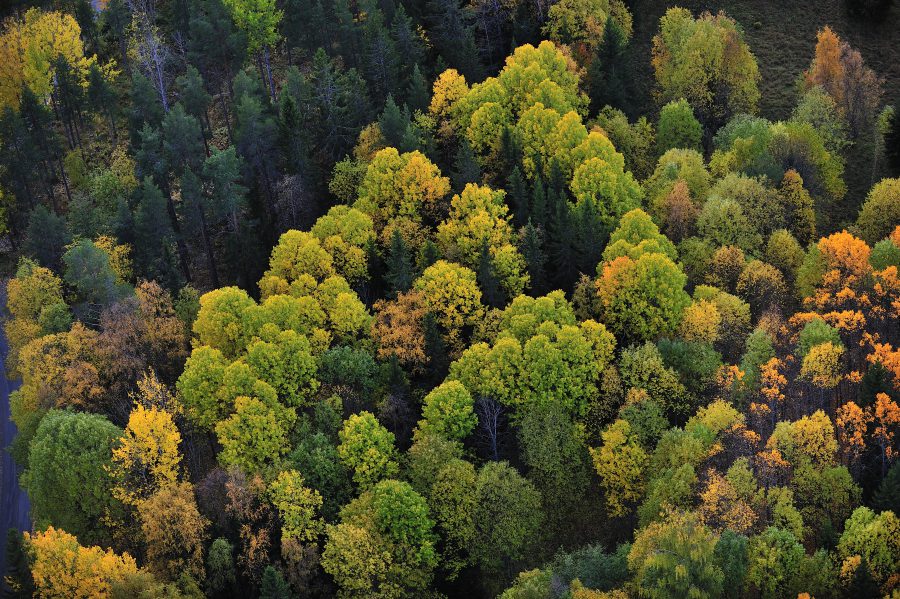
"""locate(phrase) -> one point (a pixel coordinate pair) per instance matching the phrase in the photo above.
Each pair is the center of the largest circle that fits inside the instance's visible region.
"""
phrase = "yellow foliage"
(721, 508)
(147, 459)
(700, 322)
(822, 365)
(62, 568)
(119, 257)
(28, 49)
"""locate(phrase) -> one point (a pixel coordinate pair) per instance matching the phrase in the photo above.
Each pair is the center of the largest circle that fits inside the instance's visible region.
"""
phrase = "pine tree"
(103, 98)
(491, 292)
(417, 94)
(154, 238)
(274, 585)
(590, 237)
(607, 72)
(465, 167)
(382, 63)
(435, 349)
(539, 202)
(393, 122)
(560, 242)
(428, 255)
(146, 108)
(398, 266)
(408, 45)
(535, 259)
(517, 192)
(195, 99)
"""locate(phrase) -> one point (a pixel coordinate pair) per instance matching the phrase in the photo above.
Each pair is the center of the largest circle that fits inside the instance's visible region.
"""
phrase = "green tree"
(66, 475)
(641, 299)
(620, 462)
(448, 410)
(675, 558)
(255, 436)
(677, 128)
(707, 62)
(367, 448)
(384, 545)
(507, 516)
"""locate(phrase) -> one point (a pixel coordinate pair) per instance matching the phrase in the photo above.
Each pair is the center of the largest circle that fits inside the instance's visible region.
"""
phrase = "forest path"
(14, 506)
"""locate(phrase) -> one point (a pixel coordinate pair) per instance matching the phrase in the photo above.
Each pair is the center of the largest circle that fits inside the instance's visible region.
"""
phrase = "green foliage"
(677, 127)
(448, 411)
(66, 475)
(675, 558)
(367, 448)
(507, 516)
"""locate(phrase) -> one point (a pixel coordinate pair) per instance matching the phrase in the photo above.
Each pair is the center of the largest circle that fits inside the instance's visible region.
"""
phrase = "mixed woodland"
(422, 298)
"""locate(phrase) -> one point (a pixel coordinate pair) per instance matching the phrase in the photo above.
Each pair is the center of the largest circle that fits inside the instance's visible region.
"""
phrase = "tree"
(297, 506)
(507, 516)
(219, 323)
(775, 561)
(678, 128)
(367, 448)
(707, 62)
(46, 238)
(256, 435)
(399, 267)
(147, 457)
(259, 20)
(620, 462)
(67, 475)
(33, 290)
(174, 532)
(287, 364)
(841, 72)
(274, 586)
(880, 211)
(63, 568)
(448, 410)
(641, 299)
(87, 269)
(873, 537)
(220, 575)
(675, 558)
(399, 329)
(451, 293)
(384, 545)
(607, 73)
(30, 48)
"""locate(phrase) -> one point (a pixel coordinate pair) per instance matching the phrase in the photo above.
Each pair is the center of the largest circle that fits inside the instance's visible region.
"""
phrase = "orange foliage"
(399, 329)
(827, 69)
(887, 419)
(852, 422)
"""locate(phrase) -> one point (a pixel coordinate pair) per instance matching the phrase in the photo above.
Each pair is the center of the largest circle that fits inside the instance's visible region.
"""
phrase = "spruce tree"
(417, 94)
(491, 291)
(274, 585)
(398, 266)
(535, 259)
(517, 192)
(393, 122)
(465, 167)
(607, 72)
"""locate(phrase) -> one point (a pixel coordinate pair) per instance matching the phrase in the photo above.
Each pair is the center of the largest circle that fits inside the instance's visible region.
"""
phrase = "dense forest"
(531, 299)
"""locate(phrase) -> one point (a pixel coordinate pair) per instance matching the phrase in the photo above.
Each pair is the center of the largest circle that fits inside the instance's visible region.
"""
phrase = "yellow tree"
(29, 49)
(63, 568)
(451, 293)
(147, 458)
(620, 462)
